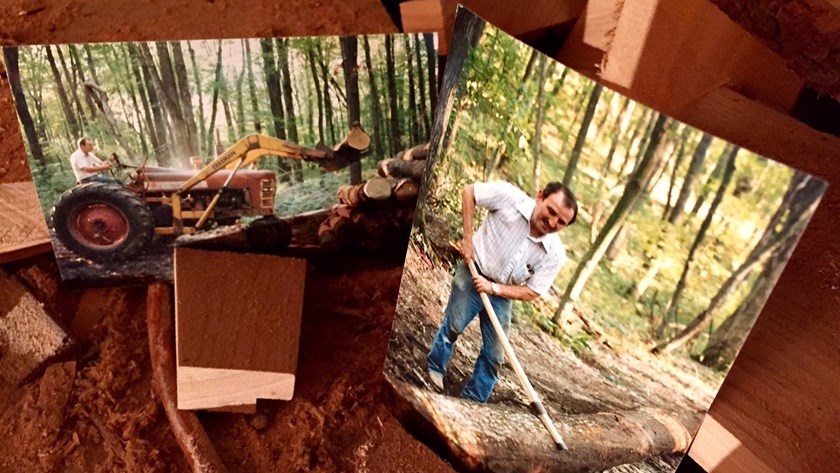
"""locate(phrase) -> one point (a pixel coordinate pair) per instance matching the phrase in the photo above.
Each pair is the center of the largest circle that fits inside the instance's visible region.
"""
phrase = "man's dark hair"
(568, 197)
(83, 141)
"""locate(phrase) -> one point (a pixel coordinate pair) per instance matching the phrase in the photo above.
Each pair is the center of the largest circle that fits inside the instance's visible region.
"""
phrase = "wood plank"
(421, 16)
(29, 337)
(715, 449)
(591, 37)
(23, 230)
(665, 55)
(237, 330)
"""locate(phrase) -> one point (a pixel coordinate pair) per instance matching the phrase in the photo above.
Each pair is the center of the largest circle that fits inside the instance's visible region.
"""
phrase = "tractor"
(111, 221)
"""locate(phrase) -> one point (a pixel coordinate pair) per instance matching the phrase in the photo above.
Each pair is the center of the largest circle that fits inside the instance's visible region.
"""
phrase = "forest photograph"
(678, 239)
(133, 146)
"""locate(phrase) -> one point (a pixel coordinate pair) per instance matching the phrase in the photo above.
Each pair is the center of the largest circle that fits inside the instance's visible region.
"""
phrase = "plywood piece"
(28, 336)
(238, 322)
(668, 54)
(591, 37)
(23, 231)
(716, 449)
(421, 16)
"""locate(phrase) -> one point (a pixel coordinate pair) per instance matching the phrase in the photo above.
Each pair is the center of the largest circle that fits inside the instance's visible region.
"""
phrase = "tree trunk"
(685, 136)
(669, 313)
(73, 86)
(590, 260)
(100, 98)
(617, 131)
(288, 101)
(132, 91)
(396, 143)
(431, 57)
(217, 85)
(328, 110)
(200, 92)
(413, 116)
(10, 56)
(349, 57)
(158, 111)
(691, 177)
(374, 102)
(77, 67)
(167, 88)
(319, 97)
(185, 97)
(801, 209)
(640, 127)
(230, 120)
(542, 66)
(240, 102)
(252, 87)
(69, 115)
(144, 100)
(424, 113)
(581, 137)
(89, 60)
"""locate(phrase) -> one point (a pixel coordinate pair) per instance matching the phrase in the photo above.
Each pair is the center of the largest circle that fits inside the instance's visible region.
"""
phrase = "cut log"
(376, 189)
(406, 190)
(383, 229)
(29, 338)
(24, 231)
(267, 235)
(400, 168)
(497, 437)
(416, 153)
(356, 139)
(238, 322)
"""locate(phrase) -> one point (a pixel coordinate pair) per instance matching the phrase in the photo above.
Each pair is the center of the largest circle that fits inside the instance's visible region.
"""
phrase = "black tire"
(103, 222)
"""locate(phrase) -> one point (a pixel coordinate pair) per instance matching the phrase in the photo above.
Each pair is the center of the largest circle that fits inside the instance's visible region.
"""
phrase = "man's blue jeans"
(464, 304)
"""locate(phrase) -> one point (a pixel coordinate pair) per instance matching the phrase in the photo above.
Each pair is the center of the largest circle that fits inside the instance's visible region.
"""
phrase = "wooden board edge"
(206, 388)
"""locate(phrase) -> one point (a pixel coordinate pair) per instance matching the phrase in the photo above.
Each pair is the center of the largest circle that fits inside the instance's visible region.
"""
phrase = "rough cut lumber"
(651, 36)
(421, 16)
(503, 438)
(400, 168)
(238, 322)
(376, 189)
(23, 231)
(188, 431)
(29, 338)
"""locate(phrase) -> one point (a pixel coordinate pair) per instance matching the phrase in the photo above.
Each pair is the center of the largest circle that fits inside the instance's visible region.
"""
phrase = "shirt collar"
(526, 208)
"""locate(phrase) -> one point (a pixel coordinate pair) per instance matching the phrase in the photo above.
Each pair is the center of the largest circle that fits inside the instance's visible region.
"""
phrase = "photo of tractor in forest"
(670, 247)
(135, 145)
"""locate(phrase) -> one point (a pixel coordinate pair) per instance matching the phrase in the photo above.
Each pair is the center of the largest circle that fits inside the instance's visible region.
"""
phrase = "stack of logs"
(376, 215)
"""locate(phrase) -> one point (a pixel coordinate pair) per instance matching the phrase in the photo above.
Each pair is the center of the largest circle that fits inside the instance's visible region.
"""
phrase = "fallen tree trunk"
(187, 429)
(398, 168)
(503, 438)
(376, 189)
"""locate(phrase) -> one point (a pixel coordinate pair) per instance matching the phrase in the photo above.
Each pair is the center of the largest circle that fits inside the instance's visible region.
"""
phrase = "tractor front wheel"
(102, 222)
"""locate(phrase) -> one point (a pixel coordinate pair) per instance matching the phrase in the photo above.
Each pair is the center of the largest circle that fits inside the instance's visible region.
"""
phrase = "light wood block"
(717, 450)
(421, 16)
(23, 231)
(237, 333)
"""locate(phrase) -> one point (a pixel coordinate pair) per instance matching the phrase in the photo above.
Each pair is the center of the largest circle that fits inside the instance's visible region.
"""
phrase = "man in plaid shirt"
(517, 253)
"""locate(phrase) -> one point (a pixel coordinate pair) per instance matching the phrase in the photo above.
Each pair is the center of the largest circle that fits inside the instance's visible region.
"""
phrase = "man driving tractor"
(86, 166)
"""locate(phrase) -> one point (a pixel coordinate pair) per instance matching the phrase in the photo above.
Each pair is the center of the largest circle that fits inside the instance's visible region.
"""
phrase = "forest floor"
(608, 376)
(96, 411)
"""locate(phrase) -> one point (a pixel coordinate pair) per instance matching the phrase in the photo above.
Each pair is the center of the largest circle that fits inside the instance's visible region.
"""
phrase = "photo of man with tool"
(516, 254)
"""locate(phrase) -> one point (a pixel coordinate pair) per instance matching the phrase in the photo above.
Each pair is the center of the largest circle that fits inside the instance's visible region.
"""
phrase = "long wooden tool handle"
(536, 404)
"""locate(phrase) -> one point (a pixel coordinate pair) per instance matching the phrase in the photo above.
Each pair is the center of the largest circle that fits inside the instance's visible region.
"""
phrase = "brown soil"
(102, 414)
(600, 379)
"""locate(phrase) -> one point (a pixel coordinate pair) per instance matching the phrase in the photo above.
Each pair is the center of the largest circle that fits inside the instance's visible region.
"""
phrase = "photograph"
(297, 145)
(582, 271)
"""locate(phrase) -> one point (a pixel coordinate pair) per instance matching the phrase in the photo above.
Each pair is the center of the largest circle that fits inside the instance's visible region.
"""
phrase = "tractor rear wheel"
(102, 222)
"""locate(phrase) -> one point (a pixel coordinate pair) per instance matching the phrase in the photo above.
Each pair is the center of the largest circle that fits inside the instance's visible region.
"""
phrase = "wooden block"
(514, 18)
(716, 449)
(421, 16)
(666, 54)
(28, 336)
(23, 231)
(237, 330)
